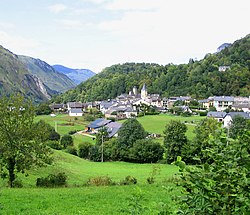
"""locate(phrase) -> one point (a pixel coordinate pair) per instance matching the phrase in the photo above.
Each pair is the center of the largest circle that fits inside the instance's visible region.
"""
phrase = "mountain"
(76, 75)
(47, 74)
(14, 78)
(199, 79)
(33, 78)
(223, 46)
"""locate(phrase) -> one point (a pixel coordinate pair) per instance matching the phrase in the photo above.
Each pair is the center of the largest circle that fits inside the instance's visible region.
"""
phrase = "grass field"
(78, 198)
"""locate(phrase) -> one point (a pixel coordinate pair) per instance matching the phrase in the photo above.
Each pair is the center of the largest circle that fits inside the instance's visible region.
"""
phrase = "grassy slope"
(78, 199)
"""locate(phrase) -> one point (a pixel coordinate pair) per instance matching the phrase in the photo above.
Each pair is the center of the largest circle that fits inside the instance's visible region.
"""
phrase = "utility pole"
(102, 145)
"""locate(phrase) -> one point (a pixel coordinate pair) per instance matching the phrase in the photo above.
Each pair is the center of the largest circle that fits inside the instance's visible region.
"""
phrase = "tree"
(146, 151)
(174, 139)
(66, 140)
(130, 131)
(203, 130)
(21, 146)
(43, 109)
(238, 126)
(221, 187)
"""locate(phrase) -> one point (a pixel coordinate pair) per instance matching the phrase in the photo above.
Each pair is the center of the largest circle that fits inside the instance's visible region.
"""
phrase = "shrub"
(84, 150)
(72, 132)
(52, 180)
(100, 181)
(146, 151)
(71, 150)
(17, 183)
(66, 140)
(203, 113)
(129, 180)
(54, 144)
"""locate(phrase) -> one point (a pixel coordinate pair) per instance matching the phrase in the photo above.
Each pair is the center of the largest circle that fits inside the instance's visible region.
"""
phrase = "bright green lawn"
(156, 123)
(85, 200)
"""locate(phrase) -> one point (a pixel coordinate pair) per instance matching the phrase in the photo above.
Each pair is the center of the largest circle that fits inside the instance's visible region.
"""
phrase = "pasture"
(77, 198)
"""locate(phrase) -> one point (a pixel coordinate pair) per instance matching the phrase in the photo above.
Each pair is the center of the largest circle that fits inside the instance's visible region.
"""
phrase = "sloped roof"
(224, 98)
(113, 128)
(216, 114)
(75, 110)
(99, 123)
(242, 114)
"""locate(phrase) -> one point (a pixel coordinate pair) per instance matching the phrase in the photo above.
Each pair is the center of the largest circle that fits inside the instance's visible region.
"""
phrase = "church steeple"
(144, 92)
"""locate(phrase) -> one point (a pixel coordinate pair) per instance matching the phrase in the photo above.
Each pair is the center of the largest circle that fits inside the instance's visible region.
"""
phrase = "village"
(135, 103)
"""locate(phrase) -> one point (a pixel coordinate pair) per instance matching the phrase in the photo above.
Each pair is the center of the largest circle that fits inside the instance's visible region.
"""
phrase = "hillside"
(14, 78)
(76, 75)
(56, 81)
(198, 79)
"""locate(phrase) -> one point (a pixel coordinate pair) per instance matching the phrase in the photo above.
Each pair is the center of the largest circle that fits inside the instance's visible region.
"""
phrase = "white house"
(229, 117)
(75, 112)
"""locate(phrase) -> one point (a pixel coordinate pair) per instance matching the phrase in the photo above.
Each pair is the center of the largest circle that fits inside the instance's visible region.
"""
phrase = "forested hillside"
(198, 79)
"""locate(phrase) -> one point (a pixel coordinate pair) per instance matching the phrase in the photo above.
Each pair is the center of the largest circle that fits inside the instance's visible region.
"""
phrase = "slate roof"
(75, 104)
(113, 128)
(243, 114)
(99, 123)
(224, 98)
(216, 114)
(75, 110)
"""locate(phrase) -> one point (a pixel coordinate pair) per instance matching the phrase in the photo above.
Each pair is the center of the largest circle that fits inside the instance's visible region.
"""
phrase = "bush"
(54, 144)
(72, 132)
(146, 151)
(84, 150)
(71, 150)
(52, 180)
(129, 180)
(17, 183)
(100, 181)
(66, 140)
(203, 113)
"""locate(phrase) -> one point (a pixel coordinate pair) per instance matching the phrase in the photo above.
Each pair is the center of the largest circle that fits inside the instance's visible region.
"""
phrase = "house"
(221, 103)
(74, 105)
(206, 103)
(97, 124)
(75, 112)
(57, 107)
(223, 68)
(241, 104)
(219, 116)
(113, 128)
(229, 117)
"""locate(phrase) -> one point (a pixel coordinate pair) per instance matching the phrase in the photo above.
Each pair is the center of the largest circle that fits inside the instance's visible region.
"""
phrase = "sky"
(94, 34)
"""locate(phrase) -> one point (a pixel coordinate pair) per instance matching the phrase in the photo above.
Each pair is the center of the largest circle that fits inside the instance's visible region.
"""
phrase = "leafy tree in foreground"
(221, 187)
(21, 146)
(238, 126)
(175, 139)
(203, 130)
(130, 131)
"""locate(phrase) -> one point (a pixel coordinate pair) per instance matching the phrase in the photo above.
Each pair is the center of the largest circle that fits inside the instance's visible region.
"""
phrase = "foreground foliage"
(21, 146)
(222, 186)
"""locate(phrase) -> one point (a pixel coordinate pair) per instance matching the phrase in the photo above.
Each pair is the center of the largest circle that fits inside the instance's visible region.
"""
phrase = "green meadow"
(77, 197)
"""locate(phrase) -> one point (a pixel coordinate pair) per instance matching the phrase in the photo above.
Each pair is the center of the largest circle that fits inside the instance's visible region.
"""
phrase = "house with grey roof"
(219, 116)
(113, 128)
(230, 116)
(221, 103)
(75, 112)
(97, 124)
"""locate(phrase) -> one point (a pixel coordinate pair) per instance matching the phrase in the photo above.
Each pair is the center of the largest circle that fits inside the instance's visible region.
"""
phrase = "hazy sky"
(94, 34)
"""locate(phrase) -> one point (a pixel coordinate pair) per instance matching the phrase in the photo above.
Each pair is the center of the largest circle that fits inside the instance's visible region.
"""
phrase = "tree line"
(199, 79)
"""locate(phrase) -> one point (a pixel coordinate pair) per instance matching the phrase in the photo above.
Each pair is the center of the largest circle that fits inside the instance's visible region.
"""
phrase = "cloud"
(18, 44)
(68, 23)
(57, 8)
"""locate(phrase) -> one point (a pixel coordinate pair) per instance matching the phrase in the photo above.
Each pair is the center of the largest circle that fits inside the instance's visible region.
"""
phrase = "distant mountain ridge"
(32, 78)
(76, 75)
(54, 80)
